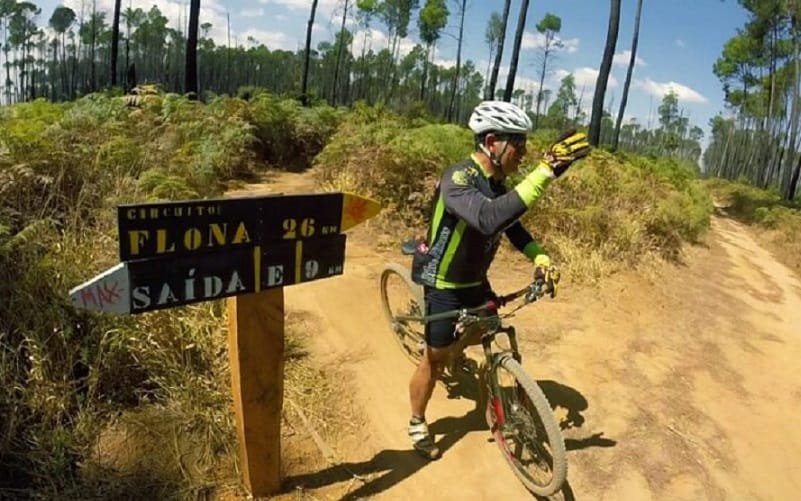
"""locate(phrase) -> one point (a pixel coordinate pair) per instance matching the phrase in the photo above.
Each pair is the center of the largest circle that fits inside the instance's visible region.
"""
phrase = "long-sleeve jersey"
(471, 211)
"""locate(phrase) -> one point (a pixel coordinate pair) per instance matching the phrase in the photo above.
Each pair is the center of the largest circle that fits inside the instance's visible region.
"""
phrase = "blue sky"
(679, 41)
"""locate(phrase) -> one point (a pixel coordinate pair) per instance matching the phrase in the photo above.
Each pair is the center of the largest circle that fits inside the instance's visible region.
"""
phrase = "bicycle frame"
(478, 329)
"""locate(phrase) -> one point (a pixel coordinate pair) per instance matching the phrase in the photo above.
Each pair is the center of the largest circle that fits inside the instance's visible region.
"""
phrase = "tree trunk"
(190, 76)
(339, 55)
(791, 189)
(458, 63)
(93, 79)
(64, 82)
(542, 81)
(425, 74)
(128, 85)
(304, 98)
(115, 41)
(499, 54)
(521, 25)
(603, 74)
(795, 113)
(629, 72)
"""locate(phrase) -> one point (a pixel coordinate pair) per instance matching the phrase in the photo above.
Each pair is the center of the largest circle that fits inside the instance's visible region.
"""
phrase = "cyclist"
(472, 209)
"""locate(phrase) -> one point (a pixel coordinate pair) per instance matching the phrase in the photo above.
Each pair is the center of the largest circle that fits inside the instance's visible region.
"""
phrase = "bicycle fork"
(489, 379)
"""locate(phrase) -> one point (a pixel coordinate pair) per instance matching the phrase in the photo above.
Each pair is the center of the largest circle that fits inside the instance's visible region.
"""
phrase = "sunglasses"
(516, 140)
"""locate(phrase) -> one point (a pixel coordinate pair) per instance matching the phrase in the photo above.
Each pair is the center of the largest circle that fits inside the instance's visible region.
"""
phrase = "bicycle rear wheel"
(522, 422)
(401, 296)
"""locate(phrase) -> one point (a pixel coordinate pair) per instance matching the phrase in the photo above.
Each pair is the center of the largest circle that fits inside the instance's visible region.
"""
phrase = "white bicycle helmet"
(500, 117)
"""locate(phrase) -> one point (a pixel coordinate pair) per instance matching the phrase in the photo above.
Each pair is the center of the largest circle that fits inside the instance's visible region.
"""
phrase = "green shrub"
(610, 209)
(289, 135)
(622, 207)
(377, 153)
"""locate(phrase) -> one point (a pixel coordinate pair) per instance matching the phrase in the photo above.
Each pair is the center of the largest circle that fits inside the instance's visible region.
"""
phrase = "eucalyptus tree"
(549, 26)
(559, 112)
(365, 11)
(433, 17)
(190, 73)
(603, 74)
(304, 98)
(490, 93)
(451, 102)
(521, 26)
(632, 61)
(397, 15)
(760, 72)
(340, 49)
(492, 37)
(115, 40)
(22, 30)
(60, 22)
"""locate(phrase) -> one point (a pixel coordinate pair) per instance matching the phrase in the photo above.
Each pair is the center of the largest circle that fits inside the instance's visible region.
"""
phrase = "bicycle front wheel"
(523, 424)
(402, 297)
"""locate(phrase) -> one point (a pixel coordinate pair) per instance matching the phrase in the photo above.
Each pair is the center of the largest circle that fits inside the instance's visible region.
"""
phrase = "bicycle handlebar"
(544, 283)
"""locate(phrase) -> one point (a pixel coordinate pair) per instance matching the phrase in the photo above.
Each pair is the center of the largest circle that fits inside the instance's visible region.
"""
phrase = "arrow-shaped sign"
(186, 228)
(152, 284)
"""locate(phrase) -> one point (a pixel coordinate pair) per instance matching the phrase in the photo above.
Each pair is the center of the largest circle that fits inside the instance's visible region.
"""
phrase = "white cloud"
(659, 89)
(322, 5)
(445, 63)
(623, 58)
(680, 43)
(272, 39)
(252, 12)
(536, 40)
(211, 11)
(376, 41)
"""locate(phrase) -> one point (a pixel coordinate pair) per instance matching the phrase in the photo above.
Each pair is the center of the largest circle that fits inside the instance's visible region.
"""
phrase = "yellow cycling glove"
(570, 146)
(542, 261)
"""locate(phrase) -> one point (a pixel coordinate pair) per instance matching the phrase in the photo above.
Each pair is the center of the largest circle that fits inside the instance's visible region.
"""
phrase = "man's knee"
(437, 357)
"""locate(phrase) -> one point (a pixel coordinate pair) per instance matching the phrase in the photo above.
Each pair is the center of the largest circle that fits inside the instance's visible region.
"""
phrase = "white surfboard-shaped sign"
(109, 292)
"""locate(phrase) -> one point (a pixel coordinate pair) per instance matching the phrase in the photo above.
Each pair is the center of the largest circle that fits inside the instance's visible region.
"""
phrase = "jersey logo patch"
(460, 178)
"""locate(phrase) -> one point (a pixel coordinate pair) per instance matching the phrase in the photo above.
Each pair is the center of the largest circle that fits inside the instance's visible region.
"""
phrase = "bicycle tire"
(409, 335)
(535, 416)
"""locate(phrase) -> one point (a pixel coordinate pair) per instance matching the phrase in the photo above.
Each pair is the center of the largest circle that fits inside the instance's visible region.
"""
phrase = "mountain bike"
(518, 414)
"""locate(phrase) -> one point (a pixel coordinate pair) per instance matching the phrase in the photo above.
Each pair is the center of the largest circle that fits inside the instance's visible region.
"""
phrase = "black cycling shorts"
(441, 333)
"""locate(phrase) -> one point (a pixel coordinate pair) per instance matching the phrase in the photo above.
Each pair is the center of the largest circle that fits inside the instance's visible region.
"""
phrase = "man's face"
(510, 149)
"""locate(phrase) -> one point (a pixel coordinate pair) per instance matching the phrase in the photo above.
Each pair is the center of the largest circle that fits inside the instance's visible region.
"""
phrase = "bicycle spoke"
(401, 297)
(524, 436)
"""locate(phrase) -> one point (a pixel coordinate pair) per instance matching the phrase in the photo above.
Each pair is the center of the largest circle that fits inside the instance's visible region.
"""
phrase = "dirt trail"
(680, 385)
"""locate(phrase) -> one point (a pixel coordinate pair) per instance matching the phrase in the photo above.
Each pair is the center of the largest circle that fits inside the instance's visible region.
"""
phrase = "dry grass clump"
(390, 158)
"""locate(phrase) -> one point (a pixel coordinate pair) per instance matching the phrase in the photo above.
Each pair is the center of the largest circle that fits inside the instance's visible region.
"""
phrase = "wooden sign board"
(154, 284)
(185, 228)
(245, 249)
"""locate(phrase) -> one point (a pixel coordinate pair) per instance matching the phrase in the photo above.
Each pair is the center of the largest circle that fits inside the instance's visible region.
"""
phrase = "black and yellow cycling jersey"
(471, 211)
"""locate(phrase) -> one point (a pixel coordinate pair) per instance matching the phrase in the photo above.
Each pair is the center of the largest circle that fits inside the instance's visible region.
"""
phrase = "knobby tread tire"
(416, 292)
(545, 414)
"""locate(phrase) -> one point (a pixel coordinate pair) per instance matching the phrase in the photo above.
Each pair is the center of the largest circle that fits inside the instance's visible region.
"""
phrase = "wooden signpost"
(244, 249)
